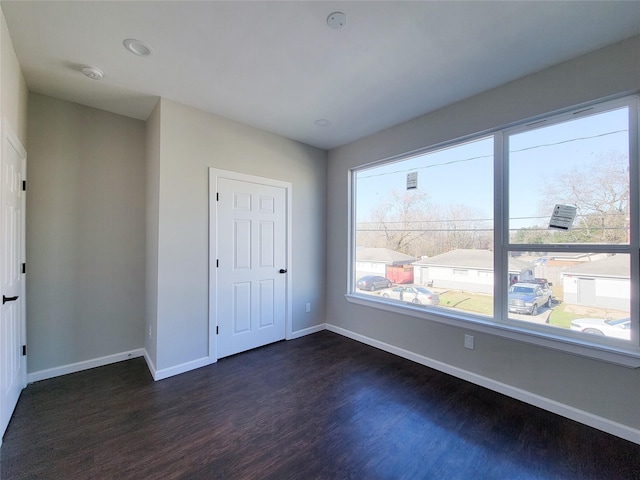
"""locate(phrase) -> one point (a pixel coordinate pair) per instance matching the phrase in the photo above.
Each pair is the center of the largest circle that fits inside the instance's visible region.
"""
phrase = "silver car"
(413, 294)
(373, 282)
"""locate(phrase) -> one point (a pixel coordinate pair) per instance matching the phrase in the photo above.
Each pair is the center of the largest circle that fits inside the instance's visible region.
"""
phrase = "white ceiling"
(279, 67)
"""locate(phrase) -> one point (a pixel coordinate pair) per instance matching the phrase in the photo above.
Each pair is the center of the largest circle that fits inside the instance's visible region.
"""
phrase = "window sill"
(627, 357)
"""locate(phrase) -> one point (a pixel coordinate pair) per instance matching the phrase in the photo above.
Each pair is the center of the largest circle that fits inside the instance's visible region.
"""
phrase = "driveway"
(541, 317)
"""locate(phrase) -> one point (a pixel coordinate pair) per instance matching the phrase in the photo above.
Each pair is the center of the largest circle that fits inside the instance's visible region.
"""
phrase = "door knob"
(283, 270)
(11, 299)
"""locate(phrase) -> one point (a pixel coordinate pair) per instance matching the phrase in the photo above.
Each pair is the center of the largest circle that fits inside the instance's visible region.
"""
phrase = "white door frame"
(8, 135)
(214, 175)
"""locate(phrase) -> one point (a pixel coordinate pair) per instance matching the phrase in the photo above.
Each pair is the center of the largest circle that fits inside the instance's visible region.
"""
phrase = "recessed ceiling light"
(323, 122)
(137, 47)
(337, 20)
(93, 73)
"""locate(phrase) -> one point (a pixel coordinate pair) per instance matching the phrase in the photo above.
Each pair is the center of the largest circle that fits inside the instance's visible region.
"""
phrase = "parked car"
(542, 282)
(527, 298)
(620, 328)
(413, 294)
(373, 282)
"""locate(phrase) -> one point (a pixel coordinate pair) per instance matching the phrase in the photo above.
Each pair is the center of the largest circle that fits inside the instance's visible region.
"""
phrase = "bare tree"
(600, 191)
(395, 217)
(410, 223)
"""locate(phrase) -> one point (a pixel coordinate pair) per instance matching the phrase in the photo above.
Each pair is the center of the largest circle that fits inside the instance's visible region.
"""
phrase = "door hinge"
(24, 185)
(24, 350)
(217, 196)
(217, 330)
(217, 263)
(24, 268)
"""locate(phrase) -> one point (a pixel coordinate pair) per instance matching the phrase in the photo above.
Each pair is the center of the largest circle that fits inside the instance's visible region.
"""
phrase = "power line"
(459, 220)
(462, 160)
(425, 167)
(455, 230)
(424, 230)
(428, 221)
(568, 141)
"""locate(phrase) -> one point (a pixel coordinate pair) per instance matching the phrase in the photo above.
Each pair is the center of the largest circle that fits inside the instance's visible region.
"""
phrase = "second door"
(251, 270)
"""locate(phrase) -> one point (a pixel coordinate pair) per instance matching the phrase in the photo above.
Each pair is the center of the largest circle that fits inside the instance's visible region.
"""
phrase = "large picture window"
(409, 217)
(532, 228)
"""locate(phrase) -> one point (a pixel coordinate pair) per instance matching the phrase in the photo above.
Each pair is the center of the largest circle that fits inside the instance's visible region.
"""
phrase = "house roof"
(576, 256)
(614, 266)
(382, 255)
(471, 258)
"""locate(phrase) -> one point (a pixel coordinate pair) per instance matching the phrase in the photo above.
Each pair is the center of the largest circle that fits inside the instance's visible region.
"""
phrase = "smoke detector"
(93, 73)
(337, 20)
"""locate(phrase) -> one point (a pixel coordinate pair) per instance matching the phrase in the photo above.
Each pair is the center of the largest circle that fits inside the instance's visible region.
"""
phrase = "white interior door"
(12, 316)
(250, 282)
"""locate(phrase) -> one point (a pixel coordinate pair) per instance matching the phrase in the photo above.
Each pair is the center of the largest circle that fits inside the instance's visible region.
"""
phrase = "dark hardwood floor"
(320, 407)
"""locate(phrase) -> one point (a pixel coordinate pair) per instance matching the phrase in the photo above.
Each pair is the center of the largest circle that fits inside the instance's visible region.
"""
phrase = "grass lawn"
(561, 318)
(483, 304)
(471, 302)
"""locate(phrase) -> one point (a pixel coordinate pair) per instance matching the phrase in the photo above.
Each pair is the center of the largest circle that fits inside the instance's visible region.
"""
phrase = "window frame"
(604, 349)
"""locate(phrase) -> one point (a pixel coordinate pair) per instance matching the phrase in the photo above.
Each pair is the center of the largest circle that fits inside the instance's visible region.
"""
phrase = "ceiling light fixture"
(323, 122)
(137, 47)
(93, 73)
(337, 20)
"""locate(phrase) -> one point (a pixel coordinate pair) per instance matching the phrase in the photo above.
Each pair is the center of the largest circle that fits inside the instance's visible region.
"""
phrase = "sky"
(471, 165)
(463, 174)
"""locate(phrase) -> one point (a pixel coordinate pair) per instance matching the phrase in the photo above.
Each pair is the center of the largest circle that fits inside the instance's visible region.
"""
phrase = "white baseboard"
(178, 369)
(586, 418)
(204, 361)
(150, 365)
(85, 365)
(307, 331)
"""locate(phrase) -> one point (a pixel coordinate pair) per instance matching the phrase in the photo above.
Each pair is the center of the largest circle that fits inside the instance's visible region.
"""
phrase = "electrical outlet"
(468, 342)
(307, 307)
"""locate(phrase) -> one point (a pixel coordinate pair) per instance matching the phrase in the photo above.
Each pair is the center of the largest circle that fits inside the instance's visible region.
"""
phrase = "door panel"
(241, 308)
(586, 291)
(267, 246)
(242, 250)
(12, 322)
(267, 306)
(251, 248)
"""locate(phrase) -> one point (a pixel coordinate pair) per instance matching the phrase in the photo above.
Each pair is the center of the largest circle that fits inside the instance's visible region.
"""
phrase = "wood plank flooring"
(319, 407)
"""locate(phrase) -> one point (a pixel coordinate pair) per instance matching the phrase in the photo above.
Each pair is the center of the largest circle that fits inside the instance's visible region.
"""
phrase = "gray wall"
(117, 228)
(191, 141)
(600, 388)
(85, 233)
(13, 89)
(151, 212)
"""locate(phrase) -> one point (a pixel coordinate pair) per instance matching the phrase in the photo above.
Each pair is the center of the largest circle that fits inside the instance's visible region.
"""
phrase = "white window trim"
(627, 357)
(613, 351)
